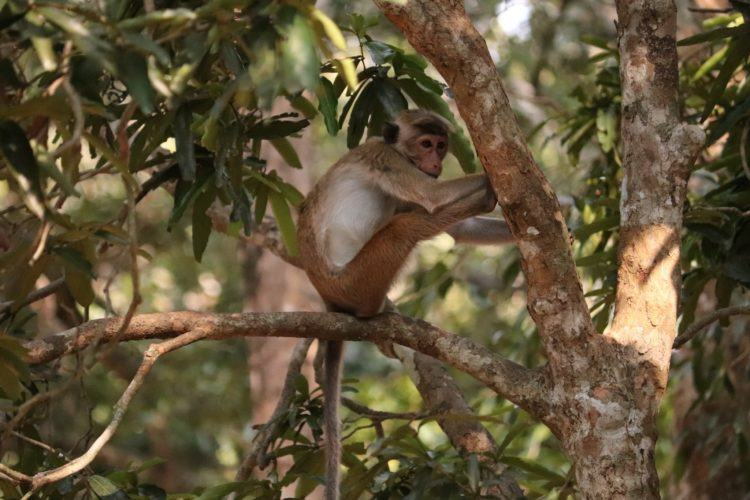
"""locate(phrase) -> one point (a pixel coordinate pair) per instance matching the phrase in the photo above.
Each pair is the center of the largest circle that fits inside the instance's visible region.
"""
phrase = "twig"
(379, 416)
(256, 456)
(14, 475)
(267, 236)
(732, 210)
(122, 139)
(40, 444)
(34, 296)
(41, 242)
(32, 403)
(153, 352)
(705, 321)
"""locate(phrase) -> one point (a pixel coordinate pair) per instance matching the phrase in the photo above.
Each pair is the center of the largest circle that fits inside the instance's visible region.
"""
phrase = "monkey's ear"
(390, 132)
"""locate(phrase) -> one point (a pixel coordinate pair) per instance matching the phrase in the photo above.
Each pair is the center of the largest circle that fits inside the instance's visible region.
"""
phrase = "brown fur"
(418, 207)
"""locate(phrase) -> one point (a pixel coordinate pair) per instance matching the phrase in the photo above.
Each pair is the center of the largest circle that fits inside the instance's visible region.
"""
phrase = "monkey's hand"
(490, 200)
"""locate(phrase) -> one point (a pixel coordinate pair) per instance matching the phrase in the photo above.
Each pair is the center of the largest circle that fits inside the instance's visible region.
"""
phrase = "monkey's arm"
(411, 185)
(401, 179)
(481, 231)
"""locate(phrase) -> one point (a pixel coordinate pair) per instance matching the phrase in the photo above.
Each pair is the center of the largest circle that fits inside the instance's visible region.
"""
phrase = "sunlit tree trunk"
(604, 390)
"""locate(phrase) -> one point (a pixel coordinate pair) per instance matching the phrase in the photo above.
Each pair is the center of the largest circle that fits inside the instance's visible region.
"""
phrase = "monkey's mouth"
(434, 176)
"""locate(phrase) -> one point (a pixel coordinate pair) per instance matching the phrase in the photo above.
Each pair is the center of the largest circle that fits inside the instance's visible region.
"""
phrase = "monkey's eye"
(426, 144)
(441, 146)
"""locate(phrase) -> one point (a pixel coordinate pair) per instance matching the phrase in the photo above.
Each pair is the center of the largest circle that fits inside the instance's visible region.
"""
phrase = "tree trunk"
(604, 390)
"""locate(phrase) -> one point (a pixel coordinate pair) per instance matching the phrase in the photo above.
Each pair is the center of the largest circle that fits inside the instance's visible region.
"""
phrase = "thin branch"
(524, 387)
(32, 403)
(707, 320)
(444, 398)
(380, 416)
(44, 446)
(153, 353)
(15, 476)
(41, 242)
(267, 235)
(257, 453)
(34, 296)
(132, 224)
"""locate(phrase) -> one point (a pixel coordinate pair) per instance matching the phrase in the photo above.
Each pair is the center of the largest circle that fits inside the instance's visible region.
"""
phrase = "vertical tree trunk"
(604, 389)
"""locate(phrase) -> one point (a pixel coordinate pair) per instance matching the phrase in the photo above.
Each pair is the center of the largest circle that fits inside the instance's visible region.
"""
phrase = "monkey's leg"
(364, 283)
(481, 231)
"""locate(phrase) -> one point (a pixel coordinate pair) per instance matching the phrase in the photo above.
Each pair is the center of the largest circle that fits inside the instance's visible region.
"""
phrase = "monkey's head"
(422, 136)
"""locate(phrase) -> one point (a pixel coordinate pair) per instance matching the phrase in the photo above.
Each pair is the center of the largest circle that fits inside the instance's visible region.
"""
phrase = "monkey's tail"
(332, 395)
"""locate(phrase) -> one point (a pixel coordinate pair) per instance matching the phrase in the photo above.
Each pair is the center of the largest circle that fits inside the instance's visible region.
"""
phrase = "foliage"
(104, 103)
(174, 95)
(716, 240)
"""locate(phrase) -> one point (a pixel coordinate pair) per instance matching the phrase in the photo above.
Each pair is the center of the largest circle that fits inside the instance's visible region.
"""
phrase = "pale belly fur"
(355, 211)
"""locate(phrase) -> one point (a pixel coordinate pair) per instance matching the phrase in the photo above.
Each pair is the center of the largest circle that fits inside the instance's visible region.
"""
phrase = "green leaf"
(151, 462)
(261, 203)
(202, 224)
(709, 64)
(183, 136)
(174, 17)
(327, 105)
(606, 128)
(276, 129)
(299, 60)
(301, 385)
(220, 491)
(17, 150)
(133, 71)
(725, 123)
(738, 50)
(716, 34)
(287, 152)
(472, 472)
(148, 46)
(380, 52)
(10, 383)
(102, 486)
(61, 179)
(303, 105)
(390, 97)
(603, 224)
(359, 116)
(290, 192)
(8, 17)
(536, 469)
(284, 222)
(332, 31)
(184, 194)
(597, 41)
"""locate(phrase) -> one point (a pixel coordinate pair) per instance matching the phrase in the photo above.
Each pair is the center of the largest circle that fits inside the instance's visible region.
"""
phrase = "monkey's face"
(429, 151)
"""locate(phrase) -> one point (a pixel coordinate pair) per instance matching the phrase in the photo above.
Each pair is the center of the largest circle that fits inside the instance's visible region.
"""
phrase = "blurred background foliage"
(142, 142)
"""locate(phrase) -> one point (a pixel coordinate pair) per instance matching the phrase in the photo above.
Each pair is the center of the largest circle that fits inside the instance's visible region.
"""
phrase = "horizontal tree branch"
(520, 385)
(706, 320)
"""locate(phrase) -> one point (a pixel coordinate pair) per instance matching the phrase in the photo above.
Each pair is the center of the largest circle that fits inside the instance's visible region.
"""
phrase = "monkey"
(364, 217)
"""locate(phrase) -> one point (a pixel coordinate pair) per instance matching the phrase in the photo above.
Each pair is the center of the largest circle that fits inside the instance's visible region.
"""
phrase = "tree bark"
(526, 388)
(605, 389)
